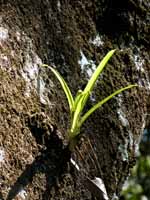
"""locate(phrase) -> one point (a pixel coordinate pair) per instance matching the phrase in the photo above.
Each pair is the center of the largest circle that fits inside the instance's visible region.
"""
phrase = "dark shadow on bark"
(116, 20)
(52, 162)
(1, 197)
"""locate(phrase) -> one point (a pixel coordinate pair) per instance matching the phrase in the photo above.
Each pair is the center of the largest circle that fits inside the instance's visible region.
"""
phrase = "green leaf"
(64, 86)
(76, 115)
(99, 104)
(77, 98)
(76, 106)
(97, 72)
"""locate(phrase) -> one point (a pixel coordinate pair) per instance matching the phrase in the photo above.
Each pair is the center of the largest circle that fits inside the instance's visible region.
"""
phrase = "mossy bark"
(33, 109)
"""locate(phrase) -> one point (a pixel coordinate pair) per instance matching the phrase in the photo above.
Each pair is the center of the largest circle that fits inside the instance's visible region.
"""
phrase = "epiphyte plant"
(77, 104)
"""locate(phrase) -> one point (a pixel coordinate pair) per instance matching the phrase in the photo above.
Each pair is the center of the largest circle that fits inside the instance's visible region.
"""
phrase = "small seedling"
(78, 103)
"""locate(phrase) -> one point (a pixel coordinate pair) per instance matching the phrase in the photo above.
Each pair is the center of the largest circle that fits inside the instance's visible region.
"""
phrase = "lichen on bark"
(33, 109)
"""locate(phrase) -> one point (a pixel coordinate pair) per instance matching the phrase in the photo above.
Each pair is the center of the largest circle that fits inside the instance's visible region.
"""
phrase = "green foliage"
(138, 184)
(77, 105)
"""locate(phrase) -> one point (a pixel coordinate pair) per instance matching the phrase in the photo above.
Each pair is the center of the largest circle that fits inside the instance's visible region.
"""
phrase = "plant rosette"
(77, 104)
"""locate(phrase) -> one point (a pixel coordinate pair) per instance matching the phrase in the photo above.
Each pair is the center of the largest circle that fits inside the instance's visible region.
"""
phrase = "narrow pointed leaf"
(64, 86)
(77, 98)
(85, 99)
(97, 72)
(77, 114)
(99, 104)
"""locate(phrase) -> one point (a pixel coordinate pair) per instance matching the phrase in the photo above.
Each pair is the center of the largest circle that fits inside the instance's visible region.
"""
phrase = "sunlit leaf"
(97, 72)
(76, 106)
(99, 104)
(77, 114)
(77, 98)
(64, 86)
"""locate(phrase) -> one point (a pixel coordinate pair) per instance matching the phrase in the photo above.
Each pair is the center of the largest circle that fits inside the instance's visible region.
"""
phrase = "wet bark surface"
(73, 36)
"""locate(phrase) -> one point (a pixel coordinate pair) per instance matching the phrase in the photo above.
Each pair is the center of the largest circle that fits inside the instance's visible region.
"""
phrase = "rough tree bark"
(74, 36)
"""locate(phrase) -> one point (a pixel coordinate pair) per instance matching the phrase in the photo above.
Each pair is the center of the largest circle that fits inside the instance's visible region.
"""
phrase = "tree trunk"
(73, 36)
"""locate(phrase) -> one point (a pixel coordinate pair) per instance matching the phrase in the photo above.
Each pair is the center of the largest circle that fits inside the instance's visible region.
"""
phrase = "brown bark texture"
(73, 36)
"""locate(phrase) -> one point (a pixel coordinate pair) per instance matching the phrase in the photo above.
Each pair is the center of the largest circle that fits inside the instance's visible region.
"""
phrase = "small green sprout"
(78, 103)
